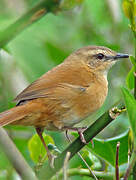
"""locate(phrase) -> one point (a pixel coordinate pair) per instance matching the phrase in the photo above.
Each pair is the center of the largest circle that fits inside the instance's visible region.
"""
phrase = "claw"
(80, 131)
(82, 138)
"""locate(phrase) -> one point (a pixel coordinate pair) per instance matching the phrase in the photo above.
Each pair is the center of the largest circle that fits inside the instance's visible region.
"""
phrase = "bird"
(65, 95)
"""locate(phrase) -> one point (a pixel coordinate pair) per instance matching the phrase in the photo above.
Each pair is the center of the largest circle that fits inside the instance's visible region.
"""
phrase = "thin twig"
(15, 157)
(91, 172)
(65, 165)
(117, 161)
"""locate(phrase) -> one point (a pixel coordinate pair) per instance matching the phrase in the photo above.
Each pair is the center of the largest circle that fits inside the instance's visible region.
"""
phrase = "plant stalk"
(15, 157)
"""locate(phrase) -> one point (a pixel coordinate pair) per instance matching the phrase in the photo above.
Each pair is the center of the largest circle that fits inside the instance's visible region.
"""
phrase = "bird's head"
(98, 58)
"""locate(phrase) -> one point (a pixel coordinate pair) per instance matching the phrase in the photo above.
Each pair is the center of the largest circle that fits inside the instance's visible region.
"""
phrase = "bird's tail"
(13, 114)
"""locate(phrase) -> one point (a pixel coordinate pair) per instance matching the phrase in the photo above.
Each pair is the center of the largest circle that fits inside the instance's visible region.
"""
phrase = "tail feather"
(13, 114)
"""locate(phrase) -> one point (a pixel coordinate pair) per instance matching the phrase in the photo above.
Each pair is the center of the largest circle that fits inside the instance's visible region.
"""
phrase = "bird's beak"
(120, 55)
(117, 56)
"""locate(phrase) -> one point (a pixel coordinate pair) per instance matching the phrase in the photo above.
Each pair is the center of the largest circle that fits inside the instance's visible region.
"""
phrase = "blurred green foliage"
(100, 147)
(36, 148)
(44, 45)
(131, 108)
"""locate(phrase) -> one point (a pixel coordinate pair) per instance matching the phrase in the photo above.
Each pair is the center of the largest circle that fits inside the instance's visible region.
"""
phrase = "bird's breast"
(92, 100)
(87, 102)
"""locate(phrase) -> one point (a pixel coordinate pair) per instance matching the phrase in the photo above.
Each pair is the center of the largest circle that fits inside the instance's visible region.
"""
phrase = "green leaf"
(128, 9)
(107, 148)
(130, 78)
(36, 148)
(135, 9)
(133, 60)
(91, 160)
(131, 108)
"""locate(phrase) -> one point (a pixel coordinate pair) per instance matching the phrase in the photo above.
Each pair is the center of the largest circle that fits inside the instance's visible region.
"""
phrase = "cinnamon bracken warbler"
(65, 95)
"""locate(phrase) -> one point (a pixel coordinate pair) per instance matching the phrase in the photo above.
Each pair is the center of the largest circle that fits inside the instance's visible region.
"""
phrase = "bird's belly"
(71, 119)
(67, 119)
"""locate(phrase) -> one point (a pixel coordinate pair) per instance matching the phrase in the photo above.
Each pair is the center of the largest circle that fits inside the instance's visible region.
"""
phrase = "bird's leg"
(50, 156)
(80, 131)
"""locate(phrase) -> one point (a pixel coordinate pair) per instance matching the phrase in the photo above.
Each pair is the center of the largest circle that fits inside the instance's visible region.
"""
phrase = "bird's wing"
(59, 77)
(65, 91)
(58, 91)
(54, 79)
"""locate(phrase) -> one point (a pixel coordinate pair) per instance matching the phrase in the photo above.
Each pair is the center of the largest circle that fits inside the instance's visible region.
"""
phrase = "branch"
(15, 157)
(33, 15)
(47, 172)
(86, 172)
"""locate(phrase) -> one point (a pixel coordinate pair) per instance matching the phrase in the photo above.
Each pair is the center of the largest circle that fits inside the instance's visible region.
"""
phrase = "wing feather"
(54, 79)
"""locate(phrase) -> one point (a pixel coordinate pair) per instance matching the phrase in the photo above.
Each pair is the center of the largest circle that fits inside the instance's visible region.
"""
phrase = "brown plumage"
(66, 94)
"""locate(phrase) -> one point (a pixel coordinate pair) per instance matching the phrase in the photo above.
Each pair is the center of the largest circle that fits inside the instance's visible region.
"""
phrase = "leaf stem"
(117, 160)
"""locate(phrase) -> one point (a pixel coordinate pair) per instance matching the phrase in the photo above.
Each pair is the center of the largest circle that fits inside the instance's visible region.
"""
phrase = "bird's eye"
(100, 56)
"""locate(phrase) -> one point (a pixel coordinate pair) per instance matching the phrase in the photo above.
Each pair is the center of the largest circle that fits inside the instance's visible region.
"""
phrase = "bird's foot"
(80, 131)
